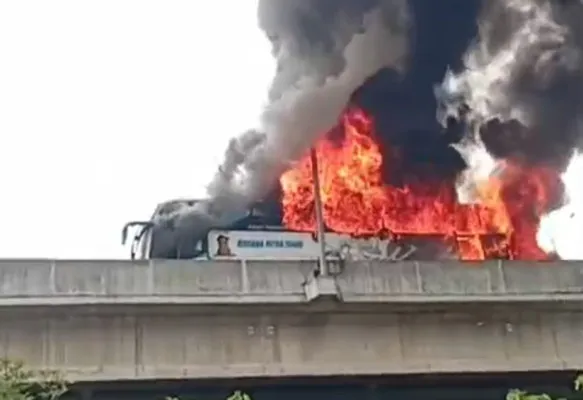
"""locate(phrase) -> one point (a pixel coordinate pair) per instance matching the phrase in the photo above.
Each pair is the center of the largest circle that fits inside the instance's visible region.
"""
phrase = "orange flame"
(356, 201)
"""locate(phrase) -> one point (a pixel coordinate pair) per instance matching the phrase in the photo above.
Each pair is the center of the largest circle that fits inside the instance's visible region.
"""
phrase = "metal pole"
(320, 229)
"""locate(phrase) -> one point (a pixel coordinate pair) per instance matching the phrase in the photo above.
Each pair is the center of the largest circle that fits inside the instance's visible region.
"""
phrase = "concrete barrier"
(231, 282)
(95, 281)
(492, 279)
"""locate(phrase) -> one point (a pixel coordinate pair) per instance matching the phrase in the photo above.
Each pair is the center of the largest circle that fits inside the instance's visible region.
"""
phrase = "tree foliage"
(20, 383)
(517, 394)
(236, 395)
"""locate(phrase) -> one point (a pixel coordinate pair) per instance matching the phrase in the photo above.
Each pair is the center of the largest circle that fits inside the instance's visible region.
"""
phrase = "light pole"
(320, 229)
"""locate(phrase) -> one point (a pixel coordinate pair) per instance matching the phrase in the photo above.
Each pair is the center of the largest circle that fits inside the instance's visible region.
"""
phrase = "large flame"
(357, 201)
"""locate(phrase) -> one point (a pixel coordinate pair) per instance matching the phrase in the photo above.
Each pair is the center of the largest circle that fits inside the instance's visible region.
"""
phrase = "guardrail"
(282, 281)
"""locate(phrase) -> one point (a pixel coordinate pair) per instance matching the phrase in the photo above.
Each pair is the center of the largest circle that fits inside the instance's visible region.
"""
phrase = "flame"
(357, 201)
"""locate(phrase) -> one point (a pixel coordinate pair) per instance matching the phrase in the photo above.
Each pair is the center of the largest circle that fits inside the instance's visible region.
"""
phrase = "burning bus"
(366, 214)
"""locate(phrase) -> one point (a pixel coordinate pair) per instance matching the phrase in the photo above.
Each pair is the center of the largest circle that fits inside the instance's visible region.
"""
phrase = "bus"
(257, 233)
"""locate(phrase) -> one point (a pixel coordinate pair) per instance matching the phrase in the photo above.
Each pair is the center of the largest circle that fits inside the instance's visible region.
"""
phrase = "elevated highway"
(123, 320)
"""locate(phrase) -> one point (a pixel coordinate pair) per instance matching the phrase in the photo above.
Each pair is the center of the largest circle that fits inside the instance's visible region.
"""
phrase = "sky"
(110, 107)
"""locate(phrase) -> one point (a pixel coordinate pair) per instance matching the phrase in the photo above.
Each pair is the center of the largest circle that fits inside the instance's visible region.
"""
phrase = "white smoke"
(561, 231)
(520, 48)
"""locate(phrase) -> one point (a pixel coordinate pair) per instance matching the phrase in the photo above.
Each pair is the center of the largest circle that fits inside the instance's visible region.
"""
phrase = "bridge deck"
(122, 320)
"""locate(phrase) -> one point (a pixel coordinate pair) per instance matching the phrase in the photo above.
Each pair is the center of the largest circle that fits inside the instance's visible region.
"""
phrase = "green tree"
(238, 395)
(517, 394)
(20, 383)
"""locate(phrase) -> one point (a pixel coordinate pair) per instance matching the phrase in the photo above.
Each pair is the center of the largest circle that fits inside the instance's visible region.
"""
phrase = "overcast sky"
(108, 107)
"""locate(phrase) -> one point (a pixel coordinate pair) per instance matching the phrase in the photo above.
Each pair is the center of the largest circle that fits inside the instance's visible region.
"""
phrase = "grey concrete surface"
(37, 282)
(93, 347)
(192, 319)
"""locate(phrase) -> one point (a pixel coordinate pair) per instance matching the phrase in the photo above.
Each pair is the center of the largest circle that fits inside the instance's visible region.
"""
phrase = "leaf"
(579, 383)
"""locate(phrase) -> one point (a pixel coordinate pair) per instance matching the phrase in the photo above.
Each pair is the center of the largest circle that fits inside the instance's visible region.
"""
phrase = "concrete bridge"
(123, 320)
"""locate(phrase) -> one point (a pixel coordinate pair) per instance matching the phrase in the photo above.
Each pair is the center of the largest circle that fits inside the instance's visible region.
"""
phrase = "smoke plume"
(517, 95)
(322, 58)
(520, 94)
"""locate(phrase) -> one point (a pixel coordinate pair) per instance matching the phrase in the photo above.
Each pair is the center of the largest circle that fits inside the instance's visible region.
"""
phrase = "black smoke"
(404, 106)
